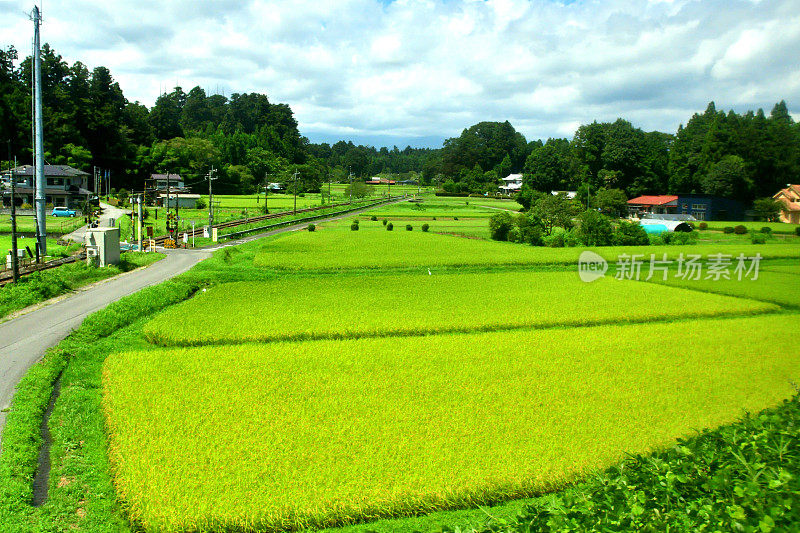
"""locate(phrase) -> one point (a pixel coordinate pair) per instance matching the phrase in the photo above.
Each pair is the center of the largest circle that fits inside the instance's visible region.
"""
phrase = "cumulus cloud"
(417, 71)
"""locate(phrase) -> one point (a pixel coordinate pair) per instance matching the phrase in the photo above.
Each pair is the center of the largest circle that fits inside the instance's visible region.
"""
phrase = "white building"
(511, 184)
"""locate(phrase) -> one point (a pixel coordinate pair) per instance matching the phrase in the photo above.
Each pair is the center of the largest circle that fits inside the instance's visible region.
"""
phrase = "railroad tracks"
(6, 275)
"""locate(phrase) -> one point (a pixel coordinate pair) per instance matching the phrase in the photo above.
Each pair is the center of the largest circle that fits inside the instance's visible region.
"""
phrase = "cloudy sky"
(418, 71)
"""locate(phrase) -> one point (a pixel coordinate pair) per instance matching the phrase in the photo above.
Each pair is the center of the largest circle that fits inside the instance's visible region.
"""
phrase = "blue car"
(62, 212)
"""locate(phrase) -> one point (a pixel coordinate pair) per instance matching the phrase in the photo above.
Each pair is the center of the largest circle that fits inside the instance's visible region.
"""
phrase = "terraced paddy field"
(293, 435)
(367, 306)
(334, 382)
(335, 247)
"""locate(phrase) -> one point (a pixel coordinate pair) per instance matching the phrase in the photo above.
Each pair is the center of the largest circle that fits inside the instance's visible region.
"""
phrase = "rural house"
(708, 207)
(160, 182)
(64, 186)
(511, 184)
(663, 204)
(790, 200)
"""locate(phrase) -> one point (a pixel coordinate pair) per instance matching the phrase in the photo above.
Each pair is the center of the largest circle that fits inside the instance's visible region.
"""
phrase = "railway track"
(6, 276)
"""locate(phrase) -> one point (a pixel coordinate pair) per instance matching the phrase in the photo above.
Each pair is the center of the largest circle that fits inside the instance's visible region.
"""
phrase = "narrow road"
(24, 340)
(109, 212)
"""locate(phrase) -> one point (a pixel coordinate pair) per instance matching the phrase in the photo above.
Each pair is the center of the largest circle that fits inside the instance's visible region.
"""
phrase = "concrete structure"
(184, 200)
(511, 184)
(790, 199)
(64, 186)
(102, 246)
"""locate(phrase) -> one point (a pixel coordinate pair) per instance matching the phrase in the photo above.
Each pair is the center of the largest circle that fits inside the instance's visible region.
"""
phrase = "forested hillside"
(89, 121)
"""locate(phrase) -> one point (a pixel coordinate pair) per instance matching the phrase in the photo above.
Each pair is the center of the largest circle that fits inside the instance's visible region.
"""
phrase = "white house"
(511, 184)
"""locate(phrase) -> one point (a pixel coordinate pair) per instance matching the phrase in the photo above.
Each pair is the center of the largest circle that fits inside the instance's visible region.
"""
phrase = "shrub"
(530, 229)
(513, 235)
(26, 206)
(409, 227)
(389, 226)
(594, 229)
(200, 204)
(680, 238)
(630, 234)
(311, 227)
(758, 238)
(384, 221)
(740, 230)
(703, 226)
(354, 226)
(554, 240)
(766, 229)
(499, 225)
(301, 195)
(727, 229)
(455, 218)
(797, 231)
(434, 218)
(373, 217)
(425, 227)
(571, 239)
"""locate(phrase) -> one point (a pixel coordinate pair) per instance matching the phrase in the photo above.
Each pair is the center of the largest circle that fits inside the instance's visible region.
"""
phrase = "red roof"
(653, 200)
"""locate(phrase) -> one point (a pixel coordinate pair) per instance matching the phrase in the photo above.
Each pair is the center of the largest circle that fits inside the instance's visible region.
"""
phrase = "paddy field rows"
(374, 374)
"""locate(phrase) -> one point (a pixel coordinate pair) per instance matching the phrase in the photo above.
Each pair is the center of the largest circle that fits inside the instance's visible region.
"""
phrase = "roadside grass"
(81, 493)
(422, 304)
(331, 432)
(334, 247)
(46, 284)
(53, 248)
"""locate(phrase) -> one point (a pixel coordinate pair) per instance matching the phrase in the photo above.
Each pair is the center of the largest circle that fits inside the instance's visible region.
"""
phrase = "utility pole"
(295, 190)
(139, 221)
(350, 189)
(14, 258)
(211, 198)
(40, 198)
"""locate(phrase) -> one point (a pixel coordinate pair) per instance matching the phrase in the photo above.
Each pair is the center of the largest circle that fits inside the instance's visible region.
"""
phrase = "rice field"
(779, 285)
(335, 247)
(319, 433)
(415, 304)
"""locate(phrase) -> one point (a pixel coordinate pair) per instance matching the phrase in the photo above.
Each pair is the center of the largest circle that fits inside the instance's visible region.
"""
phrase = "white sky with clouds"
(418, 71)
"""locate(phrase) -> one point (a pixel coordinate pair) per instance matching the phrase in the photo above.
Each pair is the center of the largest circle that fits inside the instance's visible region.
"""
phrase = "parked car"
(62, 212)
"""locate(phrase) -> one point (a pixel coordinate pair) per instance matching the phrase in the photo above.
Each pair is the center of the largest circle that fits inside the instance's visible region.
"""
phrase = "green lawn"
(55, 225)
(53, 248)
(776, 227)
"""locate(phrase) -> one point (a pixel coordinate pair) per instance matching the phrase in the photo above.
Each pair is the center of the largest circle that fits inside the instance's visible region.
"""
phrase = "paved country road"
(24, 340)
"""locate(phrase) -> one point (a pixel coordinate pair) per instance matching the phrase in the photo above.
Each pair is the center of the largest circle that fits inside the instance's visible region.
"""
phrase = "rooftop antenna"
(38, 142)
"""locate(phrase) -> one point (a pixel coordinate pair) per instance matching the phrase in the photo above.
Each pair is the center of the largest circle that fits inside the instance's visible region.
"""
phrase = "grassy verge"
(76, 426)
(46, 284)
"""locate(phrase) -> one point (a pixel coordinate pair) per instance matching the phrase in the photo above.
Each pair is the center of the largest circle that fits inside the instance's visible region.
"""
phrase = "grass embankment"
(81, 493)
(361, 306)
(327, 432)
(55, 225)
(46, 284)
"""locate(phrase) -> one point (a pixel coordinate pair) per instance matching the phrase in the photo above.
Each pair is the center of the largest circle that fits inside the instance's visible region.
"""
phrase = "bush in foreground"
(740, 477)
(727, 229)
(703, 226)
(425, 228)
(312, 227)
(389, 226)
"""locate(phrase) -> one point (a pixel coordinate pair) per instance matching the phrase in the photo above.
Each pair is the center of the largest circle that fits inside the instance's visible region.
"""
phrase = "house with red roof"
(790, 200)
(662, 204)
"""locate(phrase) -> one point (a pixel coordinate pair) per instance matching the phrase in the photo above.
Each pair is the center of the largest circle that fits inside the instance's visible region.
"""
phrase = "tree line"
(251, 140)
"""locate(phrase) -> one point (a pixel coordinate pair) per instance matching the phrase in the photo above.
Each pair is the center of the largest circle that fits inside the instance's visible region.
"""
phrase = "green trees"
(611, 202)
(767, 209)
(553, 210)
